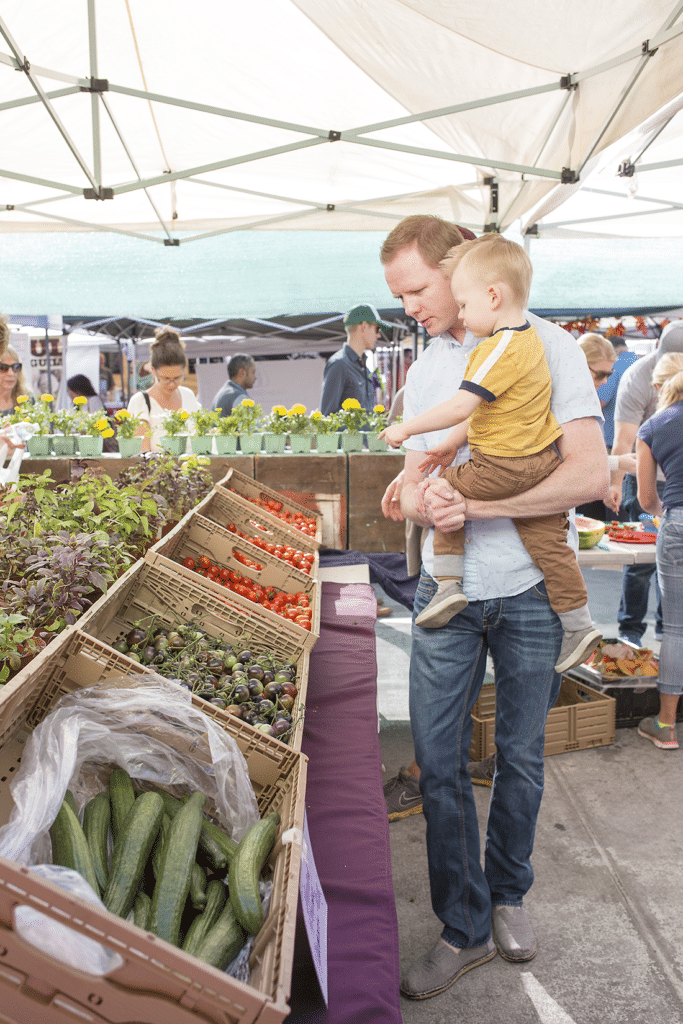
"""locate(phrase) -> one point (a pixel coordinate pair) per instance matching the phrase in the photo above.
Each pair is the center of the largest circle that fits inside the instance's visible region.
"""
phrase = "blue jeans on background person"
(635, 580)
(447, 666)
(670, 572)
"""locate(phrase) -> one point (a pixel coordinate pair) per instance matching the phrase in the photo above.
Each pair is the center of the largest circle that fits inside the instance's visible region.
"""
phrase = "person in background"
(346, 374)
(81, 386)
(241, 377)
(106, 378)
(607, 392)
(145, 376)
(12, 384)
(508, 615)
(167, 357)
(636, 401)
(600, 356)
(658, 445)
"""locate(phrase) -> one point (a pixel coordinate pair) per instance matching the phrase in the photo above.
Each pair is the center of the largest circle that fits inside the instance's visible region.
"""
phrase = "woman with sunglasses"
(167, 358)
(600, 356)
(12, 381)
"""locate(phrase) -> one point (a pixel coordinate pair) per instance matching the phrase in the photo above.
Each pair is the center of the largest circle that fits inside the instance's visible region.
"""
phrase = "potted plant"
(248, 416)
(63, 426)
(275, 430)
(127, 427)
(326, 431)
(352, 417)
(226, 435)
(377, 422)
(175, 426)
(38, 415)
(204, 422)
(299, 426)
(93, 428)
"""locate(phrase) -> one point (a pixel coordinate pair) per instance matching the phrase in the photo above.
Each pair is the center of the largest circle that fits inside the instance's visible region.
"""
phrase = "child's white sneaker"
(576, 647)
(447, 602)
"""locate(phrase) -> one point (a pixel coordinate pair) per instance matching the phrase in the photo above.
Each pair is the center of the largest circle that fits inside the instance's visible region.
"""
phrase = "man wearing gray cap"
(636, 401)
(346, 375)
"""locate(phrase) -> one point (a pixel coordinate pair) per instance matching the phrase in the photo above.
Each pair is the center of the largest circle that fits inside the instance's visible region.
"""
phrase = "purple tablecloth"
(348, 823)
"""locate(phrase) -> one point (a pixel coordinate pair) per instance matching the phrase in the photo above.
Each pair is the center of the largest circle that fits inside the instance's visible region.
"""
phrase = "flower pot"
(129, 446)
(63, 444)
(274, 444)
(351, 442)
(300, 443)
(250, 444)
(174, 444)
(89, 446)
(201, 445)
(226, 444)
(374, 443)
(327, 443)
(38, 445)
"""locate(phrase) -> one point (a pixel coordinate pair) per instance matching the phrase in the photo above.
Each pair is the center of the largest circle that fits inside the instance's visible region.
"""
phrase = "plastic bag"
(147, 726)
(58, 940)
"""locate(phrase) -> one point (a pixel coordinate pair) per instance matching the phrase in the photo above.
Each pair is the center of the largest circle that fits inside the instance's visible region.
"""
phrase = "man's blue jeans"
(447, 667)
(635, 581)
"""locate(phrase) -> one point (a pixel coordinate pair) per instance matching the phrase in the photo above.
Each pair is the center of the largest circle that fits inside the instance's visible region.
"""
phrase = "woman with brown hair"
(167, 358)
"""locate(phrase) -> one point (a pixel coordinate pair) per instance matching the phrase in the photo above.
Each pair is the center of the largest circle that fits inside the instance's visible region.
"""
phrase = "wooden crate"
(370, 474)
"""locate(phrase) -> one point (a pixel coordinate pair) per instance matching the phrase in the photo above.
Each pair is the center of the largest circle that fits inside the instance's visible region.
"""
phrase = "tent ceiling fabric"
(306, 114)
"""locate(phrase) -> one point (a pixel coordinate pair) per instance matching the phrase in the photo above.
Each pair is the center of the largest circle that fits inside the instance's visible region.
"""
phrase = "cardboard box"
(152, 592)
(581, 718)
(158, 982)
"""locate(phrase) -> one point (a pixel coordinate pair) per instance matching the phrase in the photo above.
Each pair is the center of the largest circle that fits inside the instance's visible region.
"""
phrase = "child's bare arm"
(447, 414)
(441, 455)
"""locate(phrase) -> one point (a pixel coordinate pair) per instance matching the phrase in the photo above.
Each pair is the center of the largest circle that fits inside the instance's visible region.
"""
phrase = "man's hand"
(613, 499)
(391, 501)
(395, 435)
(440, 504)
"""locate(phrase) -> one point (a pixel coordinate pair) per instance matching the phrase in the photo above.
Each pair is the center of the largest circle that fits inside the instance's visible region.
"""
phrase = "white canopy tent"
(171, 122)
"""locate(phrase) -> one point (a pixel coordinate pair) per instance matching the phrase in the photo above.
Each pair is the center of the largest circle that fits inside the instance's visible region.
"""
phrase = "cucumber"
(131, 852)
(142, 908)
(216, 895)
(122, 798)
(213, 841)
(158, 852)
(245, 870)
(223, 941)
(96, 820)
(71, 800)
(173, 884)
(198, 887)
(70, 847)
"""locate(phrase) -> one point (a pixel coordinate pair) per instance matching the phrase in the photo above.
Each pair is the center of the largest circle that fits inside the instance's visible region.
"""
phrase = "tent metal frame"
(315, 136)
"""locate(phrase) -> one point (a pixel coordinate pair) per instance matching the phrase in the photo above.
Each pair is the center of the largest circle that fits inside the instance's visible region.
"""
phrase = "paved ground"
(606, 905)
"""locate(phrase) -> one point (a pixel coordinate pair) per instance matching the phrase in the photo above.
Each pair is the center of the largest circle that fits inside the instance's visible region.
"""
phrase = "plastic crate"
(224, 507)
(147, 591)
(158, 982)
(195, 536)
(238, 483)
(581, 718)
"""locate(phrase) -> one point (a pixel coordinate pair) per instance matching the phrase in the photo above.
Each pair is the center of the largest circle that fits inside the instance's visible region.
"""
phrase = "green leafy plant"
(227, 426)
(38, 412)
(127, 424)
(205, 421)
(248, 416)
(175, 422)
(297, 420)
(94, 424)
(378, 418)
(276, 422)
(64, 421)
(323, 424)
(17, 641)
(352, 416)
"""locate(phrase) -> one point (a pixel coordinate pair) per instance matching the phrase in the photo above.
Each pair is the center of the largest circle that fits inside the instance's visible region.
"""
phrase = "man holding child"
(507, 615)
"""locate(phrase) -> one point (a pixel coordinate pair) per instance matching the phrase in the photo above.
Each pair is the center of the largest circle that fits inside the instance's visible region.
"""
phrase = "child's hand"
(439, 457)
(395, 435)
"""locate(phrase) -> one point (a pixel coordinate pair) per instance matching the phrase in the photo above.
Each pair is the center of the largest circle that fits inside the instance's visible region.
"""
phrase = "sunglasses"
(5, 367)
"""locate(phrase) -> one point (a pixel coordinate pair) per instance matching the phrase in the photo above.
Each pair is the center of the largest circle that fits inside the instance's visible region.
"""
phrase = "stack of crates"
(158, 981)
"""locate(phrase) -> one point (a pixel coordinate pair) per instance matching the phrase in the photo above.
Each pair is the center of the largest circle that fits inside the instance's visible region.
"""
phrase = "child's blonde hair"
(492, 258)
(668, 374)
